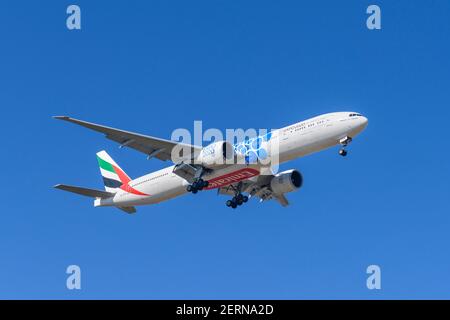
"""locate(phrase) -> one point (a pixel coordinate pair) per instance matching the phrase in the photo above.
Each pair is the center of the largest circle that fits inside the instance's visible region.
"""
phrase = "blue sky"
(153, 66)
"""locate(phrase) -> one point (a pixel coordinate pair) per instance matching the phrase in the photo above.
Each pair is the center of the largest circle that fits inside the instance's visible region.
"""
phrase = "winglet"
(61, 117)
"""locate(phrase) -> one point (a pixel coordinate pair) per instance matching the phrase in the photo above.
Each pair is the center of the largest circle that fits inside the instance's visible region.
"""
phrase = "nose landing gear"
(344, 142)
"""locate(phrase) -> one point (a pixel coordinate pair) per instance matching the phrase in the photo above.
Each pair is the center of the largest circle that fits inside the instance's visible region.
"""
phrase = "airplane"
(241, 180)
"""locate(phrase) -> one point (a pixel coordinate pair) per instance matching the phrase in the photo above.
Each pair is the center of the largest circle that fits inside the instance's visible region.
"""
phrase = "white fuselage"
(293, 141)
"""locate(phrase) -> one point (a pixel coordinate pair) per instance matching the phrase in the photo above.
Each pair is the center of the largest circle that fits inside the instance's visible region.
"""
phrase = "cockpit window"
(355, 115)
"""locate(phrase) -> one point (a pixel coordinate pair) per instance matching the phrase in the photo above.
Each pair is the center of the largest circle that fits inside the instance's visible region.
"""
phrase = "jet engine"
(216, 154)
(286, 181)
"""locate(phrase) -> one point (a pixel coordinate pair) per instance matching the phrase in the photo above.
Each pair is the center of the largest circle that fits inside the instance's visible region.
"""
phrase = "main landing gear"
(239, 199)
(198, 183)
(344, 142)
(197, 186)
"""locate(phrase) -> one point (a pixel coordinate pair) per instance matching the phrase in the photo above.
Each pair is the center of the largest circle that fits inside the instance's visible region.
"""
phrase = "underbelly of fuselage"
(172, 186)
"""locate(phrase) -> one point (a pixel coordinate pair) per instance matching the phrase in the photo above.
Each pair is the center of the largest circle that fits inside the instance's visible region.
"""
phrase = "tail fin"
(113, 176)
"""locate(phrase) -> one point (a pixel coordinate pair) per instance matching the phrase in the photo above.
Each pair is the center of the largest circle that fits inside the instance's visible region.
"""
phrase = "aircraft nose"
(364, 121)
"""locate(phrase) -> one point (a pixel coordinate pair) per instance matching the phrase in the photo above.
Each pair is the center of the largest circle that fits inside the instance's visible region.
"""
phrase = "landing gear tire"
(192, 188)
(196, 186)
(239, 200)
(343, 152)
(202, 183)
(236, 201)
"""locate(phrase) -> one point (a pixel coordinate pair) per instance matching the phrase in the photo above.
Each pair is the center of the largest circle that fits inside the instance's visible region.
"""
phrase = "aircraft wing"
(151, 146)
(259, 188)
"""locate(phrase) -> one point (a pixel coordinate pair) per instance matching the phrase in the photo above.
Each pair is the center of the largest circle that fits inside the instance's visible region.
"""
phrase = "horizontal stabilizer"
(85, 191)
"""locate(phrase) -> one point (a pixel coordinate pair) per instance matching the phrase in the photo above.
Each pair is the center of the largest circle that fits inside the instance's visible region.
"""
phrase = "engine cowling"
(286, 181)
(216, 154)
